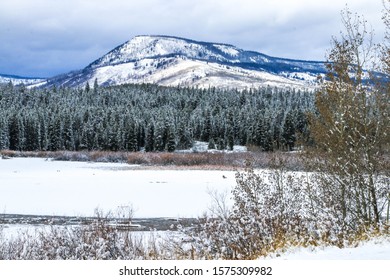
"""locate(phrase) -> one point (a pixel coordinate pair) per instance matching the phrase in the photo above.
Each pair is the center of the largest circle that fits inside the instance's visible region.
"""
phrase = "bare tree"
(351, 129)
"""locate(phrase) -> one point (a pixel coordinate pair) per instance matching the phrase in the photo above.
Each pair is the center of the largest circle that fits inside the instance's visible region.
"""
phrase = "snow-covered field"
(44, 187)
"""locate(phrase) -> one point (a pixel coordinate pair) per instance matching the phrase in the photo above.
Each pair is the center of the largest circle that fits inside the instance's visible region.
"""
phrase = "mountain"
(173, 61)
(17, 80)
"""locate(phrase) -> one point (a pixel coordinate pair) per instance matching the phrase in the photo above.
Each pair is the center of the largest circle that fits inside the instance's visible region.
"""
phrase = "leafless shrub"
(272, 209)
(268, 213)
(97, 241)
(238, 160)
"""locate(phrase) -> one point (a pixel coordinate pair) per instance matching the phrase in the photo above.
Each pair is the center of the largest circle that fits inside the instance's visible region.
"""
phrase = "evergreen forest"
(151, 118)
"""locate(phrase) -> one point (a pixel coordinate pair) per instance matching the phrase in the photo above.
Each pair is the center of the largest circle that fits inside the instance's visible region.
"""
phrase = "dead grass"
(172, 161)
(188, 159)
(216, 161)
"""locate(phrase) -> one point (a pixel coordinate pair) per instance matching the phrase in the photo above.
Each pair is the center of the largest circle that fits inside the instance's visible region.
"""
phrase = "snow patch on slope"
(178, 71)
(227, 49)
(141, 47)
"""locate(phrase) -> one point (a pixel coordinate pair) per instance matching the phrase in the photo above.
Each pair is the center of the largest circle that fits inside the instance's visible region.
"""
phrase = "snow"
(230, 50)
(13, 231)
(45, 187)
(201, 147)
(141, 47)
(374, 249)
(187, 72)
(310, 77)
(18, 81)
(171, 61)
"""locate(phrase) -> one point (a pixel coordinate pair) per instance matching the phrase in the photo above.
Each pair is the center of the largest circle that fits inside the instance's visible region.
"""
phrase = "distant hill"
(174, 61)
(17, 80)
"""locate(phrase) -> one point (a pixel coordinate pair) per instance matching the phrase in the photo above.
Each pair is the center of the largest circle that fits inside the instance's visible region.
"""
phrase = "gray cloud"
(49, 37)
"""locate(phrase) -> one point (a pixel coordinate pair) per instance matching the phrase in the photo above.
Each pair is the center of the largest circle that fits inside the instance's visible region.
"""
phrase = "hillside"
(172, 61)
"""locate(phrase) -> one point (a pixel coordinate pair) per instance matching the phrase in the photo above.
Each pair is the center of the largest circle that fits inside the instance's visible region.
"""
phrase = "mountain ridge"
(241, 56)
(17, 80)
(176, 61)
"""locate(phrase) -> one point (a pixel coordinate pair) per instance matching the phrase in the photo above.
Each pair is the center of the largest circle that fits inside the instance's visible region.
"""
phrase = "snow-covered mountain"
(176, 61)
(16, 80)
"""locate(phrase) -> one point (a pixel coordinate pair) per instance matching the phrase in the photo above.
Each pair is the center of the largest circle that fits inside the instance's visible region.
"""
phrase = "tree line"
(151, 118)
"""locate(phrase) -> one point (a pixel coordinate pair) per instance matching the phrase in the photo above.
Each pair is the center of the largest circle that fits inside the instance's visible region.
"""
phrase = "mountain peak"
(154, 46)
(172, 61)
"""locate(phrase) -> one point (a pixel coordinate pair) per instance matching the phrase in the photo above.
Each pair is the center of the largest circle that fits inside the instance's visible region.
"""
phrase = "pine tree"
(149, 139)
(171, 143)
(184, 136)
(206, 131)
(132, 141)
(95, 86)
(14, 136)
(55, 134)
(288, 135)
(87, 87)
(159, 142)
(4, 135)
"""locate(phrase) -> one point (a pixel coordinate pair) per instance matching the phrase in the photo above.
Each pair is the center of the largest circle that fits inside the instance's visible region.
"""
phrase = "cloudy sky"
(43, 38)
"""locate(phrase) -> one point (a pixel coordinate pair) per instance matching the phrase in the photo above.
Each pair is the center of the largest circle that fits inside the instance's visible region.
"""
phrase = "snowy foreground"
(375, 249)
(45, 187)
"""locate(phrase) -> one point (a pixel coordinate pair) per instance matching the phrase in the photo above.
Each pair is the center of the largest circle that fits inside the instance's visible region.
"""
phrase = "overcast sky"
(43, 38)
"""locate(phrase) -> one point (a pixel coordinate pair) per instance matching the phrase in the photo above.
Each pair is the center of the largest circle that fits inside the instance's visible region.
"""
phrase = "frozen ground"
(375, 249)
(44, 187)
